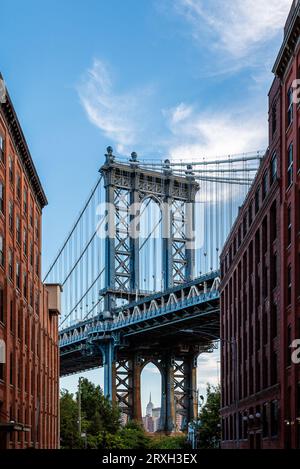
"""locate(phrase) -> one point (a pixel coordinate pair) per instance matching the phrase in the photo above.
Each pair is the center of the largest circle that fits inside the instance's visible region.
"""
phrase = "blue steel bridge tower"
(111, 319)
(127, 187)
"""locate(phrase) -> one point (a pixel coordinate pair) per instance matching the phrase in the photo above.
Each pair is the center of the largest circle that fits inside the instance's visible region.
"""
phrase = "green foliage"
(100, 421)
(132, 436)
(210, 432)
(169, 442)
(68, 421)
(97, 412)
(97, 415)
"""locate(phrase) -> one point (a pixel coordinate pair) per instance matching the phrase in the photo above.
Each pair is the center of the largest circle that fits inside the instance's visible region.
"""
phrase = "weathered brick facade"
(29, 378)
(260, 292)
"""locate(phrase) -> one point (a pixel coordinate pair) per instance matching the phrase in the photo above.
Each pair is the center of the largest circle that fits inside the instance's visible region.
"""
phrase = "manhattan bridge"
(139, 275)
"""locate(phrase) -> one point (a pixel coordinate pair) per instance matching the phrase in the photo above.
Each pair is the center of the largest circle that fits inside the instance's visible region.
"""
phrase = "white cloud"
(210, 134)
(208, 371)
(118, 115)
(238, 26)
(125, 119)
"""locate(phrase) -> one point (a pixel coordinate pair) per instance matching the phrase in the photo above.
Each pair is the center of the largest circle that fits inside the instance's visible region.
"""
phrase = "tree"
(68, 421)
(133, 436)
(210, 432)
(98, 414)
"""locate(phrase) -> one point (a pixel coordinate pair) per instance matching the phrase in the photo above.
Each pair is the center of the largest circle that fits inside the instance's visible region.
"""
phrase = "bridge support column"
(192, 393)
(108, 351)
(136, 398)
(167, 421)
(128, 386)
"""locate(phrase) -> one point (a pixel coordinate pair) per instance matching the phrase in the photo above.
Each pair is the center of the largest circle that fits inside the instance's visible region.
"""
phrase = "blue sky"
(182, 78)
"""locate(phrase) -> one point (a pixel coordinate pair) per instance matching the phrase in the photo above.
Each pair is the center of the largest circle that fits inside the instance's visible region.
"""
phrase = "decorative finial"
(189, 171)
(109, 155)
(167, 167)
(134, 159)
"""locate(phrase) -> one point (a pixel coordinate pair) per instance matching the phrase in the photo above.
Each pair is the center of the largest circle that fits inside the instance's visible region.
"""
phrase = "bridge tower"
(127, 186)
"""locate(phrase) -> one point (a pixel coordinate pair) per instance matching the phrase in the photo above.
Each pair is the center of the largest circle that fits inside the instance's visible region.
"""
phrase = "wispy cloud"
(185, 132)
(120, 116)
(237, 26)
(208, 134)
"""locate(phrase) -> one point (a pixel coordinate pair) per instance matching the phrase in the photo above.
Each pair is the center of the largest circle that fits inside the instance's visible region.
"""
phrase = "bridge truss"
(134, 274)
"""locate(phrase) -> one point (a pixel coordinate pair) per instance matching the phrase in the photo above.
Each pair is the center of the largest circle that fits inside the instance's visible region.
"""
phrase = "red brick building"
(287, 69)
(260, 292)
(28, 314)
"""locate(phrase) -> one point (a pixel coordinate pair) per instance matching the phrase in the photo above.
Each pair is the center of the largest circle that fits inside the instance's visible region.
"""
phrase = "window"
(274, 418)
(288, 346)
(11, 215)
(19, 323)
(37, 231)
(289, 226)
(18, 229)
(31, 293)
(25, 196)
(265, 421)
(273, 221)
(290, 161)
(257, 201)
(10, 264)
(11, 369)
(1, 197)
(274, 119)
(31, 216)
(31, 253)
(11, 170)
(1, 149)
(1, 251)
(12, 316)
(37, 303)
(265, 186)
(25, 241)
(289, 285)
(244, 226)
(274, 275)
(273, 172)
(1, 304)
(37, 265)
(19, 186)
(274, 320)
(25, 284)
(18, 278)
(290, 106)
(250, 214)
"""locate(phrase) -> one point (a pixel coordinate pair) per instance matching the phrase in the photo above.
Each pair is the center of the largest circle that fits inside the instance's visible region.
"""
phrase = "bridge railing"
(83, 331)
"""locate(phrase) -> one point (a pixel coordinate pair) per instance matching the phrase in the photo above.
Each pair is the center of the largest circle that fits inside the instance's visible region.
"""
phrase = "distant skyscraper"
(149, 408)
(152, 418)
(156, 418)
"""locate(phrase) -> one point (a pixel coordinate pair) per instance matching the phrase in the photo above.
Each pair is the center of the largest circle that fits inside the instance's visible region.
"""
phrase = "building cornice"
(291, 37)
(10, 117)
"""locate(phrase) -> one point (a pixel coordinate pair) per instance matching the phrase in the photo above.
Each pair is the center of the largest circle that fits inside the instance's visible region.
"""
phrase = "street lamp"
(233, 343)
